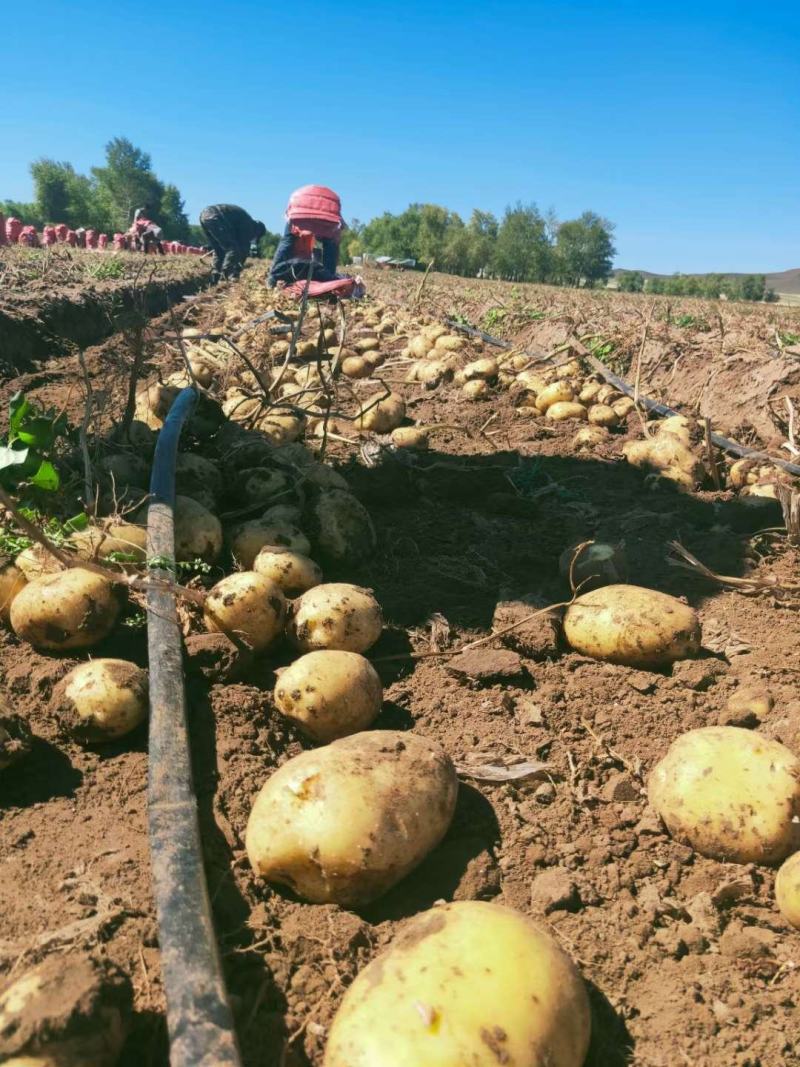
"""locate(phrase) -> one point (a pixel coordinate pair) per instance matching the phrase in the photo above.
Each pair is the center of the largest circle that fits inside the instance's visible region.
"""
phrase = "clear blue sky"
(680, 122)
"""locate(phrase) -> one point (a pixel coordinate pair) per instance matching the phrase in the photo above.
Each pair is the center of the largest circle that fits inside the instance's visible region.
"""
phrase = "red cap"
(314, 202)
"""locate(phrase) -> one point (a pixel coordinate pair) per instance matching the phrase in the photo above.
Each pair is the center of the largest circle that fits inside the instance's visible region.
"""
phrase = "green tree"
(127, 182)
(585, 250)
(630, 281)
(63, 195)
(483, 228)
(522, 251)
(27, 213)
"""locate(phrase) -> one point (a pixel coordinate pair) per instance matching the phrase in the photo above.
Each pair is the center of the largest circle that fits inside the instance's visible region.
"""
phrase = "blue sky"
(679, 122)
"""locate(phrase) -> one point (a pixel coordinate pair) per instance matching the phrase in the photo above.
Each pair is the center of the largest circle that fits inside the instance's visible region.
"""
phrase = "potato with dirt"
(344, 823)
(787, 890)
(381, 413)
(69, 1011)
(292, 571)
(247, 607)
(335, 615)
(729, 793)
(12, 581)
(74, 608)
(340, 526)
(102, 700)
(632, 625)
(121, 544)
(329, 694)
(250, 537)
(465, 983)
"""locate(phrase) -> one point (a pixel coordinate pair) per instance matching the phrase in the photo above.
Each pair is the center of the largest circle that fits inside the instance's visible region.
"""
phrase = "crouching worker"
(314, 214)
(230, 232)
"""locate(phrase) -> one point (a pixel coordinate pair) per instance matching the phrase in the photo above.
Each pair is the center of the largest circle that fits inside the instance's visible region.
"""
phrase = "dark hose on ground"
(650, 405)
(199, 1018)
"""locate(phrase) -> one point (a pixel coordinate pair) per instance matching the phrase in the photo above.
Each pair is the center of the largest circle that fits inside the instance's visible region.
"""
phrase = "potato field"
(491, 670)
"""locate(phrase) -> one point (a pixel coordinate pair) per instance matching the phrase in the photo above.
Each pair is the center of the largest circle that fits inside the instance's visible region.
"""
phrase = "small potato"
(729, 793)
(280, 429)
(140, 438)
(247, 605)
(449, 343)
(532, 381)
(75, 608)
(366, 344)
(335, 615)
(341, 527)
(292, 571)
(678, 425)
(330, 694)
(324, 477)
(469, 983)
(249, 538)
(565, 409)
(239, 407)
(623, 406)
(382, 416)
(344, 823)
(602, 415)
(356, 367)
(411, 437)
(153, 402)
(787, 890)
(198, 533)
(590, 437)
(589, 393)
(420, 346)
(485, 368)
(12, 581)
(433, 371)
(632, 625)
(306, 349)
(556, 393)
(102, 700)
(35, 561)
(607, 394)
(476, 389)
(594, 565)
(737, 475)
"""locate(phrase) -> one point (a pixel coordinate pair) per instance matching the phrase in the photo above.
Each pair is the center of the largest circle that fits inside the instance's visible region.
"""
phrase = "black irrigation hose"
(650, 405)
(199, 1018)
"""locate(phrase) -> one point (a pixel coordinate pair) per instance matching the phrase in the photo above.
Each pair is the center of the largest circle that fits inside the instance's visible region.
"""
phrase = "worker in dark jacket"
(230, 232)
(314, 214)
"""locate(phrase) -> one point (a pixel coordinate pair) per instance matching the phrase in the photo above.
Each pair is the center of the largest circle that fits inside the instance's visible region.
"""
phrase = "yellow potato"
(341, 526)
(123, 539)
(477, 389)
(589, 392)
(602, 415)
(469, 984)
(679, 426)
(335, 615)
(787, 890)
(623, 406)
(74, 608)
(249, 538)
(411, 437)
(382, 415)
(632, 625)
(420, 346)
(449, 343)
(343, 823)
(590, 436)
(292, 571)
(366, 344)
(12, 581)
(485, 368)
(557, 392)
(260, 485)
(198, 532)
(729, 793)
(102, 700)
(565, 409)
(246, 605)
(330, 694)
(35, 561)
(356, 367)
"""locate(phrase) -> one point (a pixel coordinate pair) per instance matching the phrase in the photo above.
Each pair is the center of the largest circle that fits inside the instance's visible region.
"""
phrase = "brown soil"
(687, 959)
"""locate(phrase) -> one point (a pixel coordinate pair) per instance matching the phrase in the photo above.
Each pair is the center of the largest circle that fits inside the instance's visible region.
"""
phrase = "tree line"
(710, 286)
(106, 198)
(523, 245)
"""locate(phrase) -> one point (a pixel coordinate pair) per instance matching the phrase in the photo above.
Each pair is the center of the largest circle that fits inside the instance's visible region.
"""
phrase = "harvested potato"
(420, 346)
(330, 694)
(342, 824)
(729, 793)
(632, 625)
(124, 540)
(565, 409)
(281, 429)
(239, 407)
(102, 700)
(556, 393)
(668, 456)
(75, 608)
(739, 470)
(382, 415)
(153, 402)
(588, 393)
(366, 344)
(324, 477)
(248, 606)
(476, 389)
(595, 565)
(140, 438)
(590, 436)
(35, 561)
(12, 581)
(623, 406)
(198, 533)
(69, 1011)
(335, 615)
(449, 342)
(465, 983)
(532, 381)
(341, 526)
(125, 469)
(607, 394)
(292, 571)
(288, 514)
(411, 437)
(306, 349)
(193, 472)
(260, 485)
(485, 368)
(433, 372)
(249, 538)
(787, 890)
(679, 426)
(356, 367)
(602, 415)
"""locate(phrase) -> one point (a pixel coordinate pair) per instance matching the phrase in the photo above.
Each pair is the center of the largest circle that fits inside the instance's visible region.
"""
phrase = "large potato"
(565, 409)
(330, 694)
(193, 473)
(469, 983)
(729, 793)
(124, 540)
(559, 392)
(75, 608)
(382, 415)
(341, 526)
(632, 625)
(787, 890)
(292, 571)
(335, 615)
(198, 533)
(249, 538)
(344, 823)
(247, 605)
(102, 700)
(12, 581)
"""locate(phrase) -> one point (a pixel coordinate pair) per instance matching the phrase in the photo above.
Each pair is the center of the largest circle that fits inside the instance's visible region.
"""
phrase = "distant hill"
(783, 281)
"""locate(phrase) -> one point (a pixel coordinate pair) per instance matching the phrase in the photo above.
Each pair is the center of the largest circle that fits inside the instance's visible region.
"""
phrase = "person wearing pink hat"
(313, 214)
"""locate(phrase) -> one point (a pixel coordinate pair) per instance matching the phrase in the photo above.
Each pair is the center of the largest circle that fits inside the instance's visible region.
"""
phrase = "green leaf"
(18, 408)
(46, 477)
(77, 522)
